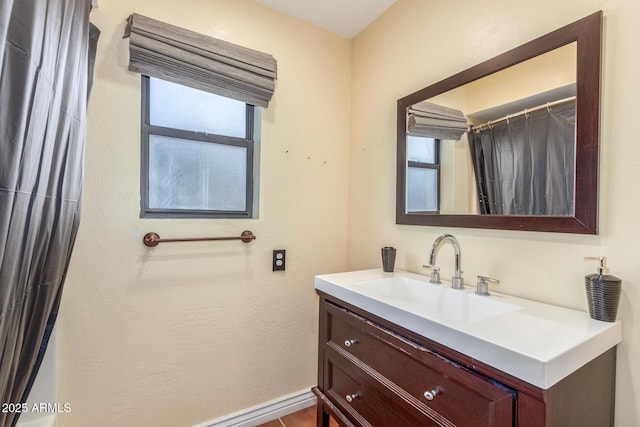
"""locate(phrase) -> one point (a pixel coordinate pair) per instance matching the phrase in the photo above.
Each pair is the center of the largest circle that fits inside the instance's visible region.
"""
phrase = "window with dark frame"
(423, 175)
(197, 153)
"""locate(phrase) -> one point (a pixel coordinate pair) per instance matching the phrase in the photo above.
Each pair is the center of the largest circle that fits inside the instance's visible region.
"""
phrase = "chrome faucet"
(457, 282)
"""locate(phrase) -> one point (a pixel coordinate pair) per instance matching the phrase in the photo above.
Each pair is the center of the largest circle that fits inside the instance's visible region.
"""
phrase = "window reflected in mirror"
(423, 175)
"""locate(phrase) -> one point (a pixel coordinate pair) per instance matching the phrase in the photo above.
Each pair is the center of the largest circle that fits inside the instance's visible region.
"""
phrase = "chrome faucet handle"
(457, 281)
(435, 273)
(483, 287)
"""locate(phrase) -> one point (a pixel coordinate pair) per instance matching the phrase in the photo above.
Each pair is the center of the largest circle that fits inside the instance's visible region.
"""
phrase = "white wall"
(179, 334)
(183, 333)
(417, 43)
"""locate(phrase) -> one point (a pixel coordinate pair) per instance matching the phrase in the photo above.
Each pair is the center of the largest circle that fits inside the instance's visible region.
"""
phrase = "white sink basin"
(536, 342)
(462, 305)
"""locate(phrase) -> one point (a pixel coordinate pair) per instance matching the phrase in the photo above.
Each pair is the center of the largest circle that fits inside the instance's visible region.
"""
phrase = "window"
(423, 175)
(198, 132)
(197, 153)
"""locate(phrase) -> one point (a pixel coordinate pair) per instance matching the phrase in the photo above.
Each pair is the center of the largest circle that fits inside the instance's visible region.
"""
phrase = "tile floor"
(303, 418)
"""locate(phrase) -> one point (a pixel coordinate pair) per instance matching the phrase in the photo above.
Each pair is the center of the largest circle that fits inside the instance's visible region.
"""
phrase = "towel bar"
(153, 239)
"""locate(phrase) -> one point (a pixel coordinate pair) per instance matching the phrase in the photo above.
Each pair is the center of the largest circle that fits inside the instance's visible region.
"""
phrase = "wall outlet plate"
(279, 259)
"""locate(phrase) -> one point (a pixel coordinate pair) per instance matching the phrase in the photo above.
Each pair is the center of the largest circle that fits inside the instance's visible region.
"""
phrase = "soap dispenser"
(603, 292)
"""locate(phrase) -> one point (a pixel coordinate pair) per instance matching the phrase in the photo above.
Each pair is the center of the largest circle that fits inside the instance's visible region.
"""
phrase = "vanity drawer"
(362, 403)
(435, 387)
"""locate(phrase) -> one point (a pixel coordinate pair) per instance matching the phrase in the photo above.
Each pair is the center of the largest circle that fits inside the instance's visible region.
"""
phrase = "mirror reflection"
(504, 144)
(511, 88)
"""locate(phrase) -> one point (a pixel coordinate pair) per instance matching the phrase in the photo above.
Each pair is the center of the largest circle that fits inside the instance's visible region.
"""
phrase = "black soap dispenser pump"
(603, 292)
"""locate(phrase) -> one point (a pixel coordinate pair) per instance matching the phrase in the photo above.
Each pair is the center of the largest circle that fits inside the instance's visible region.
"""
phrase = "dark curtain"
(525, 165)
(46, 51)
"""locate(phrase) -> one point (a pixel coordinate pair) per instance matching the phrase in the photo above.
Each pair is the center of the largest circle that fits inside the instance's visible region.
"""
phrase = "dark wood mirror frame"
(587, 33)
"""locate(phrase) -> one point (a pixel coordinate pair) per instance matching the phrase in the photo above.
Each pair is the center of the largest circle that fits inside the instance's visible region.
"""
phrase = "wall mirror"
(511, 143)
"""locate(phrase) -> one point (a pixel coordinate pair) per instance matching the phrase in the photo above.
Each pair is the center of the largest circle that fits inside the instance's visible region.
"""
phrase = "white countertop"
(538, 343)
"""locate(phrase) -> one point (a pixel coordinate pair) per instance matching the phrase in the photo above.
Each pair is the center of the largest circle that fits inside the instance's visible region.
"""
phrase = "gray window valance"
(430, 120)
(185, 57)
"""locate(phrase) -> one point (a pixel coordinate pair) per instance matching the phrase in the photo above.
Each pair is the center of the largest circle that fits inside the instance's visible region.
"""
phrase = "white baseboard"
(265, 412)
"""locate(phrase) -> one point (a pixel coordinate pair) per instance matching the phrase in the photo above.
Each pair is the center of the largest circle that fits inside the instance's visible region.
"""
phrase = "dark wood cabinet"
(374, 373)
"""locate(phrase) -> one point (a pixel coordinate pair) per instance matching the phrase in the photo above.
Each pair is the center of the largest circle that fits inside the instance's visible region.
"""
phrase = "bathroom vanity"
(395, 350)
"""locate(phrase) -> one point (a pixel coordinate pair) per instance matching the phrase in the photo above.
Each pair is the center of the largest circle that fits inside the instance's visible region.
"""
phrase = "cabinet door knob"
(351, 397)
(349, 343)
(431, 394)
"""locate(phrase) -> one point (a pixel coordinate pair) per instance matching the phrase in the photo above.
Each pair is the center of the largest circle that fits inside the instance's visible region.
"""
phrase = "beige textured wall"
(545, 72)
(183, 333)
(417, 43)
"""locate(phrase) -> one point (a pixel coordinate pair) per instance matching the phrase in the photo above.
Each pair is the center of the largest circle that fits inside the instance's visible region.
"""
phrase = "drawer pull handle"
(349, 343)
(431, 394)
(351, 397)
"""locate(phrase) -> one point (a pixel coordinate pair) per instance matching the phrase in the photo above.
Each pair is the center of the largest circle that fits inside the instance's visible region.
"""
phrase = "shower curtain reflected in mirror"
(526, 165)
(46, 56)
